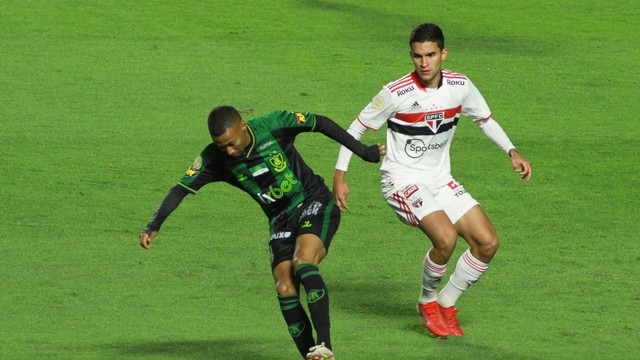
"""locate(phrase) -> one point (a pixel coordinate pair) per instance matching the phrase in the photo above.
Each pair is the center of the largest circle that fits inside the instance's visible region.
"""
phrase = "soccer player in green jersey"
(259, 157)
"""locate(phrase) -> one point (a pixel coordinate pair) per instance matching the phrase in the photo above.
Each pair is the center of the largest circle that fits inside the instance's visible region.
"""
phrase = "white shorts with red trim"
(412, 201)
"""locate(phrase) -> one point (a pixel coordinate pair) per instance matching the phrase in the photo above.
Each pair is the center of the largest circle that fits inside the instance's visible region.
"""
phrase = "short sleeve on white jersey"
(376, 113)
(474, 105)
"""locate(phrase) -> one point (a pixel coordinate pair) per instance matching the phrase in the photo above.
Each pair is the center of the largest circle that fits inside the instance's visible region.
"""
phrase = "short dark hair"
(221, 118)
(427, 32)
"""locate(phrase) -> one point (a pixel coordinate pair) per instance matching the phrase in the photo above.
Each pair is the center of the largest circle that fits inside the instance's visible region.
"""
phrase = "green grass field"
(103, 107)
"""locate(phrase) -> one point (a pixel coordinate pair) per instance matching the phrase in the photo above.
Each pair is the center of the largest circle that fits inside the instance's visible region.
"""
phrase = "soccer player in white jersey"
(421, 111)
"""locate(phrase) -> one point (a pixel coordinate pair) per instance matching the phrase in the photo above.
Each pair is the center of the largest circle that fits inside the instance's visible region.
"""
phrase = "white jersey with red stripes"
(421, 123)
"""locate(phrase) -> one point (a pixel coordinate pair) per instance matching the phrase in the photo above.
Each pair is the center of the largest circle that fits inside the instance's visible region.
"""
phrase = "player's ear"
(445, 52)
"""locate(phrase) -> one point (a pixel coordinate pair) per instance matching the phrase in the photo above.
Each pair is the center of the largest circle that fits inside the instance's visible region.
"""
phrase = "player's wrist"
(339, 175)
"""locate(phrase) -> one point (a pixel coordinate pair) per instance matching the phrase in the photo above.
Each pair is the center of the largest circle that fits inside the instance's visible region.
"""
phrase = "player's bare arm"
(340, 190)
(520, 164)
(340, 187)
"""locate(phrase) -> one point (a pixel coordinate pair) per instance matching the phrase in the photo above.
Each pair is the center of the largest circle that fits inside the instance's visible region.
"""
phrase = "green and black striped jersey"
(271, 170)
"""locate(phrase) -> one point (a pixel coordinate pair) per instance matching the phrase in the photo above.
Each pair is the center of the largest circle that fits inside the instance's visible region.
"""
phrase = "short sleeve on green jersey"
(287, 119)
(195, 176)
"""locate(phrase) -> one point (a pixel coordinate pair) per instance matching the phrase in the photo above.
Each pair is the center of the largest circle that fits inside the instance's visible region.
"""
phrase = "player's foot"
(320, 352)
(450, 317)
(433, 319)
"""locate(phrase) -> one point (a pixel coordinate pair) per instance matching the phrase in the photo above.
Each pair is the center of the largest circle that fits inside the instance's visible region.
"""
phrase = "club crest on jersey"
(434, 120)
(300, 117)
(278, 163)
(417, 203)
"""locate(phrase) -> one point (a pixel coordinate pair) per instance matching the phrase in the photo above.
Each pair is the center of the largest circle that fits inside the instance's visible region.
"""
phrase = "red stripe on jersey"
(451, 74)
(406, 81)
(419, 117)
(483, 119)
(455, 77)
(367, 126)
(402, 79)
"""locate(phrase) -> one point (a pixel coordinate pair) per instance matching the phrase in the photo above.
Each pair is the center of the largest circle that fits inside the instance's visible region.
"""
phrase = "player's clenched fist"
(145, 239)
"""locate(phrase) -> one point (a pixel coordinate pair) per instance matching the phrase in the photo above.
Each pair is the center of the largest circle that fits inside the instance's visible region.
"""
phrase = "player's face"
(427, 59)
(234, 141)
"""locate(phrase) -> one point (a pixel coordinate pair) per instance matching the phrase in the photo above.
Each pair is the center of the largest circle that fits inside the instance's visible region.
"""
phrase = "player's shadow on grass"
(196, 349)
(371, 298)
(382, 300)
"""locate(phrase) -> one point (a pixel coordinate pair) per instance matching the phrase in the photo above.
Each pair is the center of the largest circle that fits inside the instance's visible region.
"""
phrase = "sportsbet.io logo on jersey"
(414, 148)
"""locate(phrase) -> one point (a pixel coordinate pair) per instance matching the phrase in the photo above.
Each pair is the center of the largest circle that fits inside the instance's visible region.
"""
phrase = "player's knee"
(446, 242)
(488, 248)
(286, 287)
(493, 245)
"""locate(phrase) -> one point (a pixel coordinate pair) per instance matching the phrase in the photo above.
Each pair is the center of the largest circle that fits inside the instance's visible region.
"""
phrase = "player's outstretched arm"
(331, 129)
(520, 165)
(168, 205)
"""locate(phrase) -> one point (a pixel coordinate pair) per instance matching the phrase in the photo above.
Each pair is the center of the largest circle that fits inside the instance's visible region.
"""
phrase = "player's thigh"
(309, 249)
(281, 243)
(454, 199)
(476, 228)
(317, 223)
(439, 230)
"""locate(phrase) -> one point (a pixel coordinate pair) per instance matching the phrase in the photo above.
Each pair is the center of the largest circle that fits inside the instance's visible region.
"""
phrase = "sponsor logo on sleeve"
(301, 118)
(378, 102)
(193, 169)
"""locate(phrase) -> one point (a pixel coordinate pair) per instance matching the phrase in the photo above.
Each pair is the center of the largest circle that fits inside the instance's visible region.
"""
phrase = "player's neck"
(434, 83)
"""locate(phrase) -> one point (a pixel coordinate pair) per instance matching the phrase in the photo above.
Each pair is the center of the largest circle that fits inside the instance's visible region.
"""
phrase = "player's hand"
(520, 165)
(341, 190)
(383, 150)
(145, 239)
